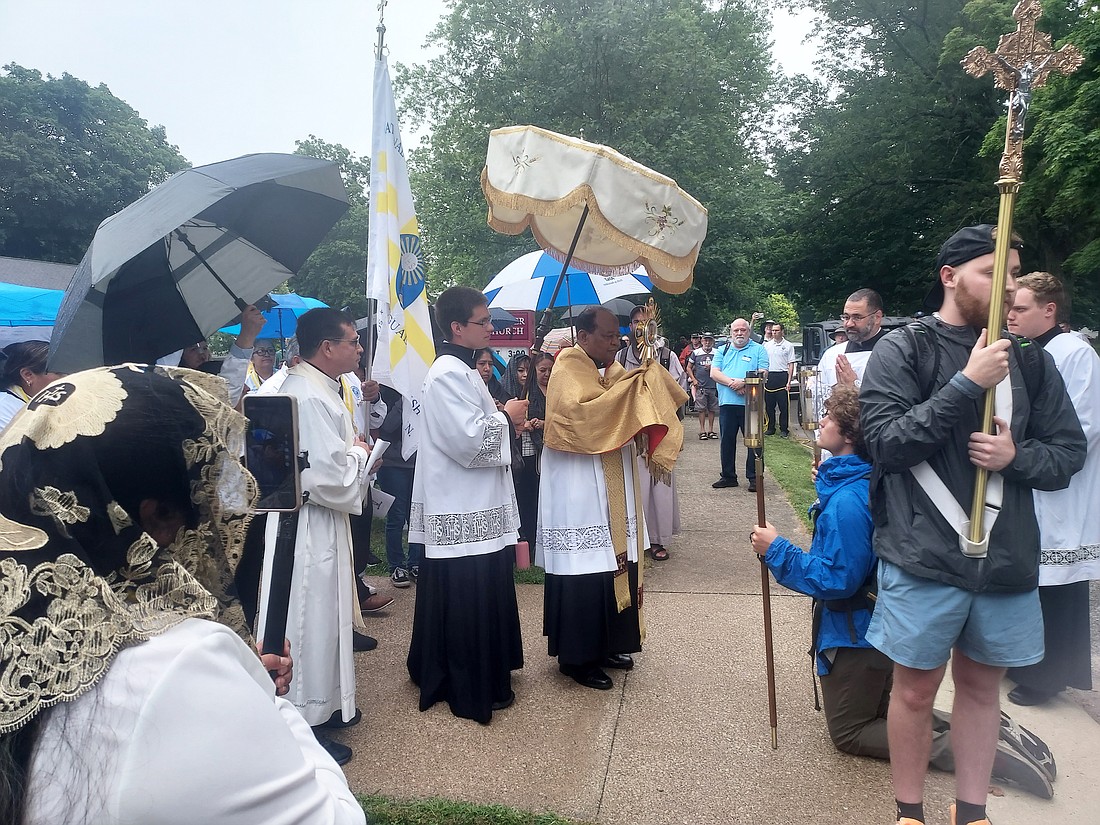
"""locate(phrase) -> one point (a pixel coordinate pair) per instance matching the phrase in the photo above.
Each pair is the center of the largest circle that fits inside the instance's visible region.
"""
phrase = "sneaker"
(414, 572)
(769, 432)
(1029, 745)
(752, 485)
(1015, 768)
(372, 604)
(785, 434)
(400, 577)
(724, 482)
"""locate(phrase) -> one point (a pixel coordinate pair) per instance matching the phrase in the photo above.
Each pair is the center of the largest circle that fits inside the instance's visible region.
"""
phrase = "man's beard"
(973, 308)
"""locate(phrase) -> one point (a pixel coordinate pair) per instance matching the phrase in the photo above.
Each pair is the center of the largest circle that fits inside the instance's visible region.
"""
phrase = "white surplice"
(184, 729)
(574, 536)
(1069, 519)
(463, 501)
(323, 604)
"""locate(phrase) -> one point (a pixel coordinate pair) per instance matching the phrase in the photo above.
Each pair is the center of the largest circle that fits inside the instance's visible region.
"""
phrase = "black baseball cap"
(965, 245)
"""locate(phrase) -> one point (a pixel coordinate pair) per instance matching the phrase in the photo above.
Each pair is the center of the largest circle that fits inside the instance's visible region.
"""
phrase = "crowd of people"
(128, 480)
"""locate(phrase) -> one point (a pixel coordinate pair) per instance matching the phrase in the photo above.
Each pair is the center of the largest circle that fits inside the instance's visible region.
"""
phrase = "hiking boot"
(400, 577)
(1016, 768)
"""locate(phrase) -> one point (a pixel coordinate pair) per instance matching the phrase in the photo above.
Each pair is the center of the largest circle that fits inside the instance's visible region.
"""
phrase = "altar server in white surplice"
(466, 637)
(323, 606)
(591, 528)
(1069, 528)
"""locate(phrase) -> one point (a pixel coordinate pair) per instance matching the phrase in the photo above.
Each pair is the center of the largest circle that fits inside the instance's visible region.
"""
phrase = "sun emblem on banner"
(410, 271)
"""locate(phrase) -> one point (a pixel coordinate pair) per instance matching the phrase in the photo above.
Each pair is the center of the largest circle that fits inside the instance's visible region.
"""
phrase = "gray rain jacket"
(903, 428)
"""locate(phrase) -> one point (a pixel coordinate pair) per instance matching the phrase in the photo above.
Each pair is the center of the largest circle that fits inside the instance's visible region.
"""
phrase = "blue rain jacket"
(840, 557)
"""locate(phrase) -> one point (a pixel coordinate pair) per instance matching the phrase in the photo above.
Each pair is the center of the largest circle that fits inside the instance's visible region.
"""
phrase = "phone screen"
(271, 450)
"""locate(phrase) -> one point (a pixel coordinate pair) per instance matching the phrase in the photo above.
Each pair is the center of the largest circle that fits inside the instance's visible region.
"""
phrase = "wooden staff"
(1023, 61)
(754, 428)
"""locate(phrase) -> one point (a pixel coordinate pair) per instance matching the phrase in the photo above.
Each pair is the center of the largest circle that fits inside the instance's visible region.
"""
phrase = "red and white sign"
(520, 334)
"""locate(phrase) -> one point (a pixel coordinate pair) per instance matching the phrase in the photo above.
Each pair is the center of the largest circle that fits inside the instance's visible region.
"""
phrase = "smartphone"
(271, 451)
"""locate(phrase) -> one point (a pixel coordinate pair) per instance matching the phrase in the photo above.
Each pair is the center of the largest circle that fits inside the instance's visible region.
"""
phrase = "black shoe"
(400, 577)
(1027, 696)
(752, 486)
(591, 677)
(336, 721)
(505, 703)
(619, 661)
(724, 482)
(361, 642)
(340, 753)
(769, 432)
(414, 572)
(785, 434)
(372, 559)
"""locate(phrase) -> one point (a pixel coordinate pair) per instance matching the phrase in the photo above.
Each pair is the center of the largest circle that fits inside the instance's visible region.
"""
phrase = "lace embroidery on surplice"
(490, 453)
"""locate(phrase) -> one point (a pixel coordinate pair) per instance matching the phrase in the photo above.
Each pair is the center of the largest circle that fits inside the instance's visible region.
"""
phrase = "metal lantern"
(754, 411)
(808, 390)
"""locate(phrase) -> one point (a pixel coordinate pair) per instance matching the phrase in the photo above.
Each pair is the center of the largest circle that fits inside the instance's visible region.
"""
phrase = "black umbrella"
(183, 260)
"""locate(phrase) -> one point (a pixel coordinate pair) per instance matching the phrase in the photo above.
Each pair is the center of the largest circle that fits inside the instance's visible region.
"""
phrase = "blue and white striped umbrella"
(528, 282)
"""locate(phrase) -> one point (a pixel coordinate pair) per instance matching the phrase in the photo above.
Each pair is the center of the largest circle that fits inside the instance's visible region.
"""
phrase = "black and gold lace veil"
(79, 579)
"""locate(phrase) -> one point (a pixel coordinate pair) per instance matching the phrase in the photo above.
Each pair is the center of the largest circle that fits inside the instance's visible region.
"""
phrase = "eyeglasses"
(857, 318)
(352, 341)
(263, 351)
(483, 323)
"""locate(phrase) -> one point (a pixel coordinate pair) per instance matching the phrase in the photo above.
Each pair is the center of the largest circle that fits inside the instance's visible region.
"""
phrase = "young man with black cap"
(941, 596)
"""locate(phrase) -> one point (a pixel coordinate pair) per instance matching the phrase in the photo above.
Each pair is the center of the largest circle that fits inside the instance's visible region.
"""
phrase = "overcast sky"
(232, 77)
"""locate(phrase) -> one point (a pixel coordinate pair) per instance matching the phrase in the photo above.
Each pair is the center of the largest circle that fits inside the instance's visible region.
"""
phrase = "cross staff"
(1023, 61)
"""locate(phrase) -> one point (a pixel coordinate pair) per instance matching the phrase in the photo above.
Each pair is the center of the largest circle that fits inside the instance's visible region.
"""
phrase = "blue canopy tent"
(28, 306)
(27, 313)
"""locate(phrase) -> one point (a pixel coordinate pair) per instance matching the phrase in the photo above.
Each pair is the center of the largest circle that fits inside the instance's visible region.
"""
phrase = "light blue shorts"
(918, 621)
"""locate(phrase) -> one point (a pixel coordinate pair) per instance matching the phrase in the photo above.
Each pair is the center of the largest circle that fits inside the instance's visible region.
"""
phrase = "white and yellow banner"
(395, 266)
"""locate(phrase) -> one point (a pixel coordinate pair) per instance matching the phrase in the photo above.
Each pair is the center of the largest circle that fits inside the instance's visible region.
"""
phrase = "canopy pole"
(546, 323)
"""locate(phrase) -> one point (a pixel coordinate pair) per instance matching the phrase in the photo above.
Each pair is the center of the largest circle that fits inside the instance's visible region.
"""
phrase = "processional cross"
(1023, 61)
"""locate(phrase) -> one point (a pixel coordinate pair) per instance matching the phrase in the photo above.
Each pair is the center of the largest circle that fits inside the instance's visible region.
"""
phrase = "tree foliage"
(70, 156)
(883, 160)
(336, 271)
(678, 85)
(1059, 213)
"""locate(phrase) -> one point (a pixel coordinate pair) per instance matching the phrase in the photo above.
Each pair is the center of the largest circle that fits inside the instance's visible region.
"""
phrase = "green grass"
(790, 461)
(383, 810)
(532, 575)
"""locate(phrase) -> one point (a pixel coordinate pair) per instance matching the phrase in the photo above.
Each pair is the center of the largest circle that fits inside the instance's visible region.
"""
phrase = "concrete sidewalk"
(684, 737)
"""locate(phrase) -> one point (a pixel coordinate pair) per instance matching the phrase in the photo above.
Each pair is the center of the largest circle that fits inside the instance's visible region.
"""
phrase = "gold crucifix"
(1023, 61)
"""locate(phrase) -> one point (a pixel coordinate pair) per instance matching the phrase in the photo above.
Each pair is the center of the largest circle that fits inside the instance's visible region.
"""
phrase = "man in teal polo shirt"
(740, 357)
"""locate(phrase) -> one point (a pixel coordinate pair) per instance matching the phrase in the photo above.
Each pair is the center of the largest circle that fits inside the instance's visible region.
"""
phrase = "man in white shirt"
(780, 372)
